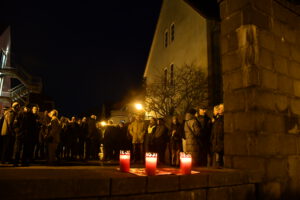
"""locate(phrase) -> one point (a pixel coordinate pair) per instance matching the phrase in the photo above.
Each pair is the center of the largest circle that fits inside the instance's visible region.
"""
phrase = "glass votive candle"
(151, 162)
(124, 160)
(185, 163)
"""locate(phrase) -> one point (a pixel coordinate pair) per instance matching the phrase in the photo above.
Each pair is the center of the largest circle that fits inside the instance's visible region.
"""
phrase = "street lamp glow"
(103, 123)
(139, 106)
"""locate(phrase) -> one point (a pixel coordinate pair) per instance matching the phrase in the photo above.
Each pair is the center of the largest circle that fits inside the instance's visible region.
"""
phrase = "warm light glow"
(151, 162)
(124, 161)
(185, 163)
(139, 106)
(103, 123)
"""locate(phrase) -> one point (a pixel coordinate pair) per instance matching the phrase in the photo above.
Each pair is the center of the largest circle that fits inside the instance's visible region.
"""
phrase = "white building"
(187, 32)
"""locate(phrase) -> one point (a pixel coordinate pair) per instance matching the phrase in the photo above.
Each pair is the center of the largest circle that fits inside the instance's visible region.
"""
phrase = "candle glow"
(185, 163)
(124, 161)
(151, 162)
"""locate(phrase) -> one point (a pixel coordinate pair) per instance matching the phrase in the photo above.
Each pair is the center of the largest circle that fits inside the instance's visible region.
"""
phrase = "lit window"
(166, 39)
(172, 74)
(172, 32)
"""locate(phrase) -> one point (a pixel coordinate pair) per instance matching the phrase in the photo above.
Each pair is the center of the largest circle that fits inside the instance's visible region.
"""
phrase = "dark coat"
(54, 131)
(160, 136)
(176, 138)
(206, 126)
(93, 134)
(217, 135)
(149, 137)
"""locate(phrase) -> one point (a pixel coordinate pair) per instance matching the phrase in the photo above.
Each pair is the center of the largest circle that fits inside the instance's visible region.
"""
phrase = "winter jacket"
(217, 135)
(137, 130)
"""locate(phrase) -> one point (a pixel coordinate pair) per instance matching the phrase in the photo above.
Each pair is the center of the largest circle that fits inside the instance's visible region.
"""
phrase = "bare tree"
(185, 89)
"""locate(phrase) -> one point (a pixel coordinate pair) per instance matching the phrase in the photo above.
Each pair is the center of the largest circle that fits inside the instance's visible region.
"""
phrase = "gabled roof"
(207, 8)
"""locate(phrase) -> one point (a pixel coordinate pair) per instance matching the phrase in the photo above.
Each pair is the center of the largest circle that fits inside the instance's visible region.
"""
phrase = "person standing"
(137, 130)
(204, 140)
(82, 137)
(52, 138)
(192, 132)
(8, 133)
(217, 137)
(175, 135)
(93, 139)
(160, 138)
(149, 136)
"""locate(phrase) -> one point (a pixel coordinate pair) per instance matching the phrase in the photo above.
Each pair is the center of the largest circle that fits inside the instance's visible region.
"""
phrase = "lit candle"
(185, 163)
(151, 162)
(124, 161)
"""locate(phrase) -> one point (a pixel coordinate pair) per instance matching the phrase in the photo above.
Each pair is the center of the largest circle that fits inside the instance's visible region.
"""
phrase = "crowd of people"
(28, 135)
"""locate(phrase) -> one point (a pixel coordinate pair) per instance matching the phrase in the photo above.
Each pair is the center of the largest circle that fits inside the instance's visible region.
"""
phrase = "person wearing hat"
(7, 132)
(192, 131)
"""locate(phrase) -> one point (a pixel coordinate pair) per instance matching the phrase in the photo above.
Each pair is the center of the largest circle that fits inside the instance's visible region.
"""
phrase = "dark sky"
(87, 53)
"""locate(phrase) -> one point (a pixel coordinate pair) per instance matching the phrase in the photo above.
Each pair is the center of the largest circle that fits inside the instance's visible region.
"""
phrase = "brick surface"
(295, 53)
(217, 193)
(285, 84)
(193, 181)
(282, 48)
(235, 144)
(288, 144)
(226, 179)
(295, 106)
(294, 69)
(162, 183)
(268, 79)
(255, 17)
(297, 88)
(124, 186)
(231, 61)
(266, 40)
(246, 162)
(231, 23)
(243, 192)
(276, 168)
(282, 102)
(232, 81)
(281, 65)
(265, 58)
(235, 101)
(229, 43)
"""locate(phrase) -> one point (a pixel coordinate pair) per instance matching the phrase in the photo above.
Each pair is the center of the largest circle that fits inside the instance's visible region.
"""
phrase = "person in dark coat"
(73, 131)
(53, 137)
(149, 136)
(41, 150)
(110, 141)
(217, 137)
(192, 132)
(160, 138)
(83, 131)
(204, 139)
(175, 138)
(34, 128)
(122, 139)
(23, 137)
(92, 139)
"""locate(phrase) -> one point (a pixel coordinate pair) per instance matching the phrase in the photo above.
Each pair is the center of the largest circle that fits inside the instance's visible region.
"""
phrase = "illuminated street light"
(103, 123)
(139, 106)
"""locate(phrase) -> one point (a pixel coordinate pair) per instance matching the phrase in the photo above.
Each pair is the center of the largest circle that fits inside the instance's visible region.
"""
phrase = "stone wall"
(260, 50)
(106, 183)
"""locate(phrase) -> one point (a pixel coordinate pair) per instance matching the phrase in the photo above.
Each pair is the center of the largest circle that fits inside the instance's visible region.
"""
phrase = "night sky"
(87, 53)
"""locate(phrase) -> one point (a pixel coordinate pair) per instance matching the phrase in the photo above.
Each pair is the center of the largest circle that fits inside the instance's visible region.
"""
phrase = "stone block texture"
(262, 90)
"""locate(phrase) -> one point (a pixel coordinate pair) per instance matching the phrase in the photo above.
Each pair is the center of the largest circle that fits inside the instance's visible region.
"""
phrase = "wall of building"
(260, 49)
(190, 44)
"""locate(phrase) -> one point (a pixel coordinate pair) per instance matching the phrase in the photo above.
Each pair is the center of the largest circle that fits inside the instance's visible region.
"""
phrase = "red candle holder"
(151, 162)
(124, 161)
(185, 163)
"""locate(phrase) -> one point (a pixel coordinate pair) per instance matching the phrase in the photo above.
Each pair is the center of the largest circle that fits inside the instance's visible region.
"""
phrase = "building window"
(172, 32)
(166, 39)
(165, 77)
(172, 74)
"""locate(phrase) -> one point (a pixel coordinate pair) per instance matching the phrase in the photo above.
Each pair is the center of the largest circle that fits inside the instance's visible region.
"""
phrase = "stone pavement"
(106, 182)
